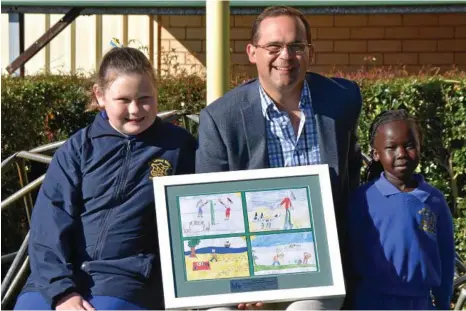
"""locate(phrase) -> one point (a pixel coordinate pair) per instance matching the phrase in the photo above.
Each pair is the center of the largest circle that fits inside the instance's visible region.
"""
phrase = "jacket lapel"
(326, 128)
(254, 128)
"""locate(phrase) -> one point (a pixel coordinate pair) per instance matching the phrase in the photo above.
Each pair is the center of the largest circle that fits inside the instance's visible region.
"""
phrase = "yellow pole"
(218, 48)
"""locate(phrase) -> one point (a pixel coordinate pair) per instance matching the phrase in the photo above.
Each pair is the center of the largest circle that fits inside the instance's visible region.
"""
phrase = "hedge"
(44, 108)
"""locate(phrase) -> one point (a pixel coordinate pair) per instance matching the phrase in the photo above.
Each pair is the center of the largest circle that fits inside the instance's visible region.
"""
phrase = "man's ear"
(251, 50)
(99, 95)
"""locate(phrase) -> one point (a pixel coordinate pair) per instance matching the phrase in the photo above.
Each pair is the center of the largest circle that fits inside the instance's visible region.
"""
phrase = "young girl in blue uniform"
(93, 239)
(400, 227)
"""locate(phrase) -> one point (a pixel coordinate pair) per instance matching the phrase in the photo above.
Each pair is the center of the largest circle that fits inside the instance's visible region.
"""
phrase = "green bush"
(40, 109)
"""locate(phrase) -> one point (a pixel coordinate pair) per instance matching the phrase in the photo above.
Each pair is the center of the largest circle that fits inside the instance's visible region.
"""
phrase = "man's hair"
(275, 11)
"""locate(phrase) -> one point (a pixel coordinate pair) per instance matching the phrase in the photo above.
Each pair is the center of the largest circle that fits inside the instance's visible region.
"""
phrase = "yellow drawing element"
(252, 237)
(159, 167)
(226, 266)
(238, 194)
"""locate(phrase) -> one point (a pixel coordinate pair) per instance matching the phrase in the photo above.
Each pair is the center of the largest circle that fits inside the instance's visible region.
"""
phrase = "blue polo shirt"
(402, 243)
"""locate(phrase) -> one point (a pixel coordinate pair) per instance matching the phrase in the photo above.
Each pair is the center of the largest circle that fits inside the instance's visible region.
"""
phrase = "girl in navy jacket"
(400, 227)
(93, 242)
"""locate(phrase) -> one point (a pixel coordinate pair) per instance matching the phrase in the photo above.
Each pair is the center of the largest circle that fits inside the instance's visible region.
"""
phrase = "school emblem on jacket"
(428, 221)
(160, 167)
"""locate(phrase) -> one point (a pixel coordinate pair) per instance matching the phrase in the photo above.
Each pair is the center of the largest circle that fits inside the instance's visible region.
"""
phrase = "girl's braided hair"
(375, 168)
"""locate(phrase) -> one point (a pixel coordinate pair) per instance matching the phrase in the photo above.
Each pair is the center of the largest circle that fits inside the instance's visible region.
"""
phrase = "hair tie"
(116, 43)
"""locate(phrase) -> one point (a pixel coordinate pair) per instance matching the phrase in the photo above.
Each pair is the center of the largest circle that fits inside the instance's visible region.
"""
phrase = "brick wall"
(345, 42)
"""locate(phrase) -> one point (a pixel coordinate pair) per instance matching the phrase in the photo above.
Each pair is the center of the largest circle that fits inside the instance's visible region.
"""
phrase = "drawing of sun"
(238, 194)
(253, 237)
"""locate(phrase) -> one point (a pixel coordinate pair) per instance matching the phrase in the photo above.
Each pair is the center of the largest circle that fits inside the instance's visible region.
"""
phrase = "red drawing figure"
(288, 204)
(227, 207)
(307, 256)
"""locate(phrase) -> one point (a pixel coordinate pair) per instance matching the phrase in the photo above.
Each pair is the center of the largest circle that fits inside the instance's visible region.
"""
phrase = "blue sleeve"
(52, 225)
(445, 239)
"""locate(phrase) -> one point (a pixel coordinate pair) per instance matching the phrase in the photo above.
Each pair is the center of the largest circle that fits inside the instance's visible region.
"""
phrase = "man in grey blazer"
(286, 117)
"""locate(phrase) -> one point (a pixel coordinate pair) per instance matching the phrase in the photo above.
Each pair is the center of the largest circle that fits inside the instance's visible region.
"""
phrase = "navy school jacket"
(93, 226)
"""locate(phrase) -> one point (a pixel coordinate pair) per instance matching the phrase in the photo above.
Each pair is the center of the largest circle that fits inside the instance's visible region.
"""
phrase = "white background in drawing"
(209, 214)
(266, 213)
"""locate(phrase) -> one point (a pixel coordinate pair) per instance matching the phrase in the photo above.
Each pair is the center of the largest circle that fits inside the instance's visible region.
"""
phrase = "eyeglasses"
(297, 48)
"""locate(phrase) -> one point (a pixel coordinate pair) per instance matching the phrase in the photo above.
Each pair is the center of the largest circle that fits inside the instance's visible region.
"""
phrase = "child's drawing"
(211, 214)
(283, 253)
(219, 258)
(278, 210)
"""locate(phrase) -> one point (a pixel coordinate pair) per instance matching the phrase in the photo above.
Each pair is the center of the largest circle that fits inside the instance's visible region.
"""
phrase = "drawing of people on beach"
(208, 259)
(282, 209)
(200, 214)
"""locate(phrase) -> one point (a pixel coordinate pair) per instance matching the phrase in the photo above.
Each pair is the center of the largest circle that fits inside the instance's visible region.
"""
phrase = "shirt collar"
(422, 192)
(268, 104)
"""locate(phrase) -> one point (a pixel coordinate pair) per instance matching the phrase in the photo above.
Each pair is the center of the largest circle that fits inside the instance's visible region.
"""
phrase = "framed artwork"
(246, 236)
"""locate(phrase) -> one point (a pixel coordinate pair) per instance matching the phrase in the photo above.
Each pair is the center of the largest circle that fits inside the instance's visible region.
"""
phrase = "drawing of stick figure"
(227, 205)
(199, 206)
(213, 256)
(287, 202)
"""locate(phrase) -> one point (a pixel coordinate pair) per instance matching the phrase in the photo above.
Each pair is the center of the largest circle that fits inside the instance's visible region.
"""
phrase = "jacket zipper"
(97, 253)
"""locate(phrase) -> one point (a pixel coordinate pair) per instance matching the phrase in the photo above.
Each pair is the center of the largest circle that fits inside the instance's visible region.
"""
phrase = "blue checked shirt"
(283, 146)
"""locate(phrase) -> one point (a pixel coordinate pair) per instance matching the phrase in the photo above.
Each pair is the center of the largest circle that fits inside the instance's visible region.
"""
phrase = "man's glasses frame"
(297, 48)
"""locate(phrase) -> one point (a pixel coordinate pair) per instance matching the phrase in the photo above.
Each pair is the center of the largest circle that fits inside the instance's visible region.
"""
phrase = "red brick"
(460, 32)
(400, 58)
(367, 33)
(240, 33)
(453, 19)
(333, 33)
(332, 59)
(351, 20)
(195, 33)
(185, 20)
(239, 58)
(240, 46)
(350, 46)
(419, 46)
(401, 33)
(243, 20)
(436, 32)
(323, 45)
(320, 20)
(384, 46)
(420, 19)
(174, 33)
(436, 58)
(460, 58)
(384, 19)
(457, 45)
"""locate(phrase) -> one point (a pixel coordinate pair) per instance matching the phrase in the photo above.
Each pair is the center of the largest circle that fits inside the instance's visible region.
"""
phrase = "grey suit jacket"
(232, 133)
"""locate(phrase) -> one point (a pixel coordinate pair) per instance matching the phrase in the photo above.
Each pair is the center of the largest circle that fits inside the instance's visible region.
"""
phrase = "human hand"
(73, 301)
(251, 306)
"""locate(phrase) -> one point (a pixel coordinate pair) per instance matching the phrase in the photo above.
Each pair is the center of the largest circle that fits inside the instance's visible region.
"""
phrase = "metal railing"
(19, 268)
